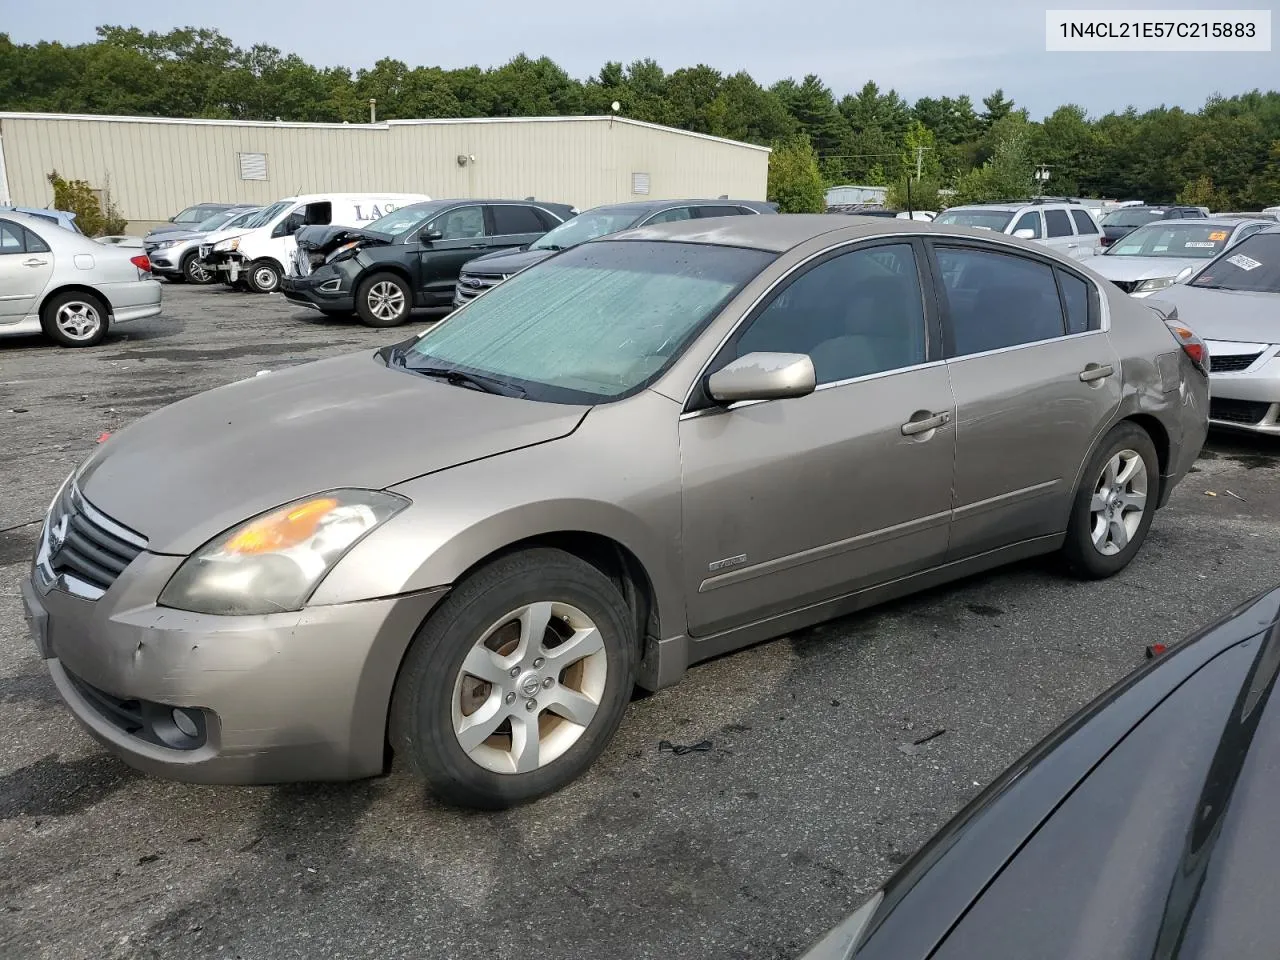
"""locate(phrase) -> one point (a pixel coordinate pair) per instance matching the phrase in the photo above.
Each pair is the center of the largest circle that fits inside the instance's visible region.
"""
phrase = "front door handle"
(913, 427)
(1096, 371)
(34, 262)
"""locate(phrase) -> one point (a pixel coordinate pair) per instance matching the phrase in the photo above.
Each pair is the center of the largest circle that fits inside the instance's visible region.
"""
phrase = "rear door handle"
(913, 427)
(34, 262)
(1095, 371)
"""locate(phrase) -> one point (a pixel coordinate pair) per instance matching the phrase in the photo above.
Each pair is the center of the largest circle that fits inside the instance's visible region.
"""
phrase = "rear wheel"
(264, 276)
(75, 319)
(383, 300)
(1115, 504)
(194, 270)
(517, 681)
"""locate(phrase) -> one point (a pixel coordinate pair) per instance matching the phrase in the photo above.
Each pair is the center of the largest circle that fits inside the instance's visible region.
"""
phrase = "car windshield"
(400, 222)
(586, 226)
(240, 219)
(1252, 265)
(212, 223)
(267, 214)
(983, 219)
(1182, 240)
(593, 324)
(1131, 218)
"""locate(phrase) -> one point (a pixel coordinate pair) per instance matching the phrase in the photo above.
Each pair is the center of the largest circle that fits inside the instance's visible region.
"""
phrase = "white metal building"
(153, 167)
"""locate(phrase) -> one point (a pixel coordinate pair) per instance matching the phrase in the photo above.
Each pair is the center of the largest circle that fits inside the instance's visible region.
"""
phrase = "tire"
(194, 272)
(1105, 533)
(383, 300)
(63, 315)
(264, 276)
(435, 698)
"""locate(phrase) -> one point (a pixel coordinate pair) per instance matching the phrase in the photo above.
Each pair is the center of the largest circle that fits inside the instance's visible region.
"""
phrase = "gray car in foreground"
(1234, 303)
(644, 452)
(67, 286)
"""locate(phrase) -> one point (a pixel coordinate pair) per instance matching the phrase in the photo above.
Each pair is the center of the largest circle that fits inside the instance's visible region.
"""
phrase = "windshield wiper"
(549, 246)
(479, 381)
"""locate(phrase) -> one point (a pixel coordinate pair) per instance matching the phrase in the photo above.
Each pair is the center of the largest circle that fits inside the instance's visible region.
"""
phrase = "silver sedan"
(68, 286)
(1156, 256)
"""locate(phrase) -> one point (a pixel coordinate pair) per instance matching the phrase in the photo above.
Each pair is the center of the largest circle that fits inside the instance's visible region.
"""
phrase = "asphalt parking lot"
(803, 804)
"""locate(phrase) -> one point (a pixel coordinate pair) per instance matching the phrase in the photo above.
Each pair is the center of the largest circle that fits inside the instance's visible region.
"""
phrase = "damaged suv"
(409, 258)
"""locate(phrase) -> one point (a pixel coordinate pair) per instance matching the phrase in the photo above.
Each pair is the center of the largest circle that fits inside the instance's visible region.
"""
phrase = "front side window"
(509, 218)
(593, 324)
(1084, 222)
(856, 314)
(1251, 265)
(1030, 221)
(997, 300)
(670, 216)
(461, 223)
(1057, 223)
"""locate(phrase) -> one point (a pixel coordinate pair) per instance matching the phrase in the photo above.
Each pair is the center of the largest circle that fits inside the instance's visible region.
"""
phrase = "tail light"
(142, 262)
(1191, 345)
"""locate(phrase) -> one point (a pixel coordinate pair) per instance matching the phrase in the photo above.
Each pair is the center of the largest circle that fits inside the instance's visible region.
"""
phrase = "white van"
(261, 252)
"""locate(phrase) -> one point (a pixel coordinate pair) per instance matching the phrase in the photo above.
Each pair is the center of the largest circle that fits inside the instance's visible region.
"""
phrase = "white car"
(1067, 227)
(262, 251)
(68, 286)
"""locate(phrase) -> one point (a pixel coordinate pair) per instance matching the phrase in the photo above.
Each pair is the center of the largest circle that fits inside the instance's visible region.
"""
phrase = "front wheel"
(264, 276)
(194, 270)
(383, 300)
(1115, 504)
(517, 681)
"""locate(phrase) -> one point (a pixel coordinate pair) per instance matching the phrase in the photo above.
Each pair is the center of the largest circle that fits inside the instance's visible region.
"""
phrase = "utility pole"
(373, 110)
(919, 161)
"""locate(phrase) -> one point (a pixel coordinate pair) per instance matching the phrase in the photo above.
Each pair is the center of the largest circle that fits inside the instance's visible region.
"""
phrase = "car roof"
(644, 206)
(1226, 222)
(782, 232)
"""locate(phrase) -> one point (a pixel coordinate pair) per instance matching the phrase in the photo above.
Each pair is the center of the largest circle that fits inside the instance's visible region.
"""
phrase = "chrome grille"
(83, 550)
(1232, 363)
(473, 284)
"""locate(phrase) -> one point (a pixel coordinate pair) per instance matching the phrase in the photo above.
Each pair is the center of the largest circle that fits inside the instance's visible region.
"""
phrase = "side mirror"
(428, 237)
(1025, 234)
(1183, 274)
(763, 376)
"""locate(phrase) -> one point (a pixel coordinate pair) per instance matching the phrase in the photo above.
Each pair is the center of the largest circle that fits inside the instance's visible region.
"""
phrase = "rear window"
(1131, 218)
(1084, 222)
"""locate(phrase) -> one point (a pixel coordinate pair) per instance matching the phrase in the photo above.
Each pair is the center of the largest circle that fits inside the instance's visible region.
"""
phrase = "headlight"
(165, 244)
(225, 246)
(274, 562)
(1159, 283)
(341, 250)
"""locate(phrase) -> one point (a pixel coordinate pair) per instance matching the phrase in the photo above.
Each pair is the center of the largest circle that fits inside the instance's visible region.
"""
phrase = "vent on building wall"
(639, 183)
(253, 166)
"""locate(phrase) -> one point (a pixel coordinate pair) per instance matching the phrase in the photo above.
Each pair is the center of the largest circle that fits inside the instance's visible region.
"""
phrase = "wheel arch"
(82, 288)
(368, 273)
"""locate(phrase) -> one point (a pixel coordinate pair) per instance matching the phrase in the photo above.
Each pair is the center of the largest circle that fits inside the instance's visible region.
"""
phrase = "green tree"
(996, 107)
(93, 217)
(1008, 173)
(795, 183)
(814, 108)
(1200, 193)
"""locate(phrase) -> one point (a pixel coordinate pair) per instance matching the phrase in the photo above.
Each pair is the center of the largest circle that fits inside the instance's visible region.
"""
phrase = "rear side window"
(1057, 223)
(1084, 222)
(1079, 300)
(997, 300)
(34, 243)
(1030, 221)
(510, 218)
(719, 211)
(10, 238)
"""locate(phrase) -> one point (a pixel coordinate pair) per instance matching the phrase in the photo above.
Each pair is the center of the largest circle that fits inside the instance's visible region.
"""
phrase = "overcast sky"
(918, 47)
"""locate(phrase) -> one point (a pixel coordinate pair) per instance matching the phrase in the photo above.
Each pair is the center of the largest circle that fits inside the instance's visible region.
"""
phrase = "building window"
(253, 166)
(639, 183)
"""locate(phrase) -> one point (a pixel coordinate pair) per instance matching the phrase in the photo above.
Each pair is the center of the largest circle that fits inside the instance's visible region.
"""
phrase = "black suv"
(1125, 220)
(491, 269)
(409, 258)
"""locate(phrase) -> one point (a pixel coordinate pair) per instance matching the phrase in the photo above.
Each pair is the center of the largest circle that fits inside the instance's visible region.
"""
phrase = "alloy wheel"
(78, 320)
(1119, 502)
(386, 300)
(529, 687)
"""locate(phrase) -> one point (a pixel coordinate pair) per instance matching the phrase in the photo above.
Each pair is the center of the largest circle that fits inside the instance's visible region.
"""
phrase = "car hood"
(1226, 314)
(1141, 268)
(326, 238)
(506, 262)
(191, 470)
(175, 235)
(166, 228)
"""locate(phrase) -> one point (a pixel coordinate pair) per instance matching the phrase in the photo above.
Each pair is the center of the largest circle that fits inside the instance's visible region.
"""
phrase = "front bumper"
(1246, 397)
(311, 291)
(277, 698)
(227, 266)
